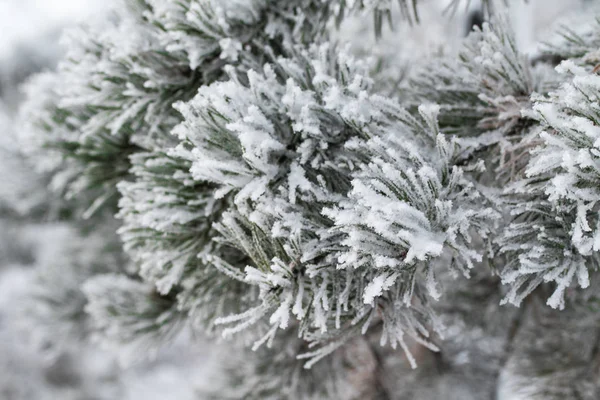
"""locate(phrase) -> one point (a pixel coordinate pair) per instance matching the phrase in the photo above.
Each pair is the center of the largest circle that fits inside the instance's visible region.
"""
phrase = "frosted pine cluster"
(283, 187)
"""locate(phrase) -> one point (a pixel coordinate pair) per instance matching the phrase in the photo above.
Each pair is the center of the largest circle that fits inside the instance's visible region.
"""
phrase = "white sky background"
(22, 21)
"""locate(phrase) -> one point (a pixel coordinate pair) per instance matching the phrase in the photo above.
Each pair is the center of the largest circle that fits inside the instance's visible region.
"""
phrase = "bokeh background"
(33, 239)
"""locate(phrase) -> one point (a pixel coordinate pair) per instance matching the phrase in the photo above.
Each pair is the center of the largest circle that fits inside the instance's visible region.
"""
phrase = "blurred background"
(33, 239)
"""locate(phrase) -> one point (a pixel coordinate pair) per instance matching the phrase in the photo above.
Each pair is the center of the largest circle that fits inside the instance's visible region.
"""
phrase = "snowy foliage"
(133, 315)
(305, 203)
(65, 264)
(284, 145)
(167, 221)
(405, 209)
(559, 220)
(124, 76)
(576, 38)
(482, 92)
(485, 83)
